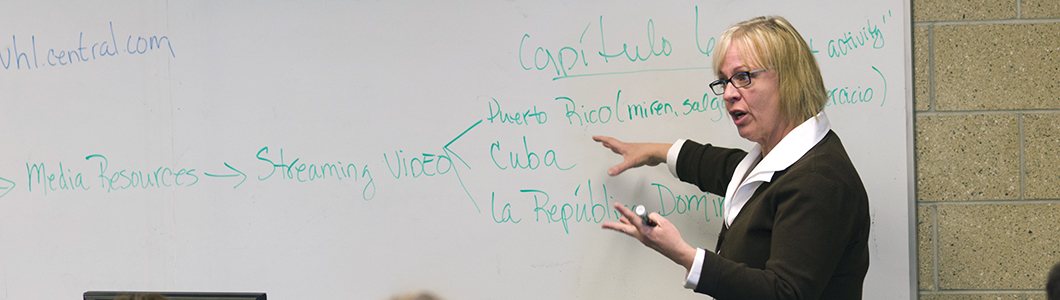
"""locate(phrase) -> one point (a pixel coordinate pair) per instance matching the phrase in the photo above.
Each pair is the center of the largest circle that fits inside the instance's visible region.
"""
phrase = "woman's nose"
(731, 93)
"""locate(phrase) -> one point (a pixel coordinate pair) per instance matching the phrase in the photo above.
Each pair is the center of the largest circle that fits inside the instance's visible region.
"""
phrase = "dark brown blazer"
(804, 235)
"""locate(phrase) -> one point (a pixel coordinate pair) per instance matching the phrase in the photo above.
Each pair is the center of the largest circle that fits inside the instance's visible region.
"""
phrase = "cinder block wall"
(987, 138)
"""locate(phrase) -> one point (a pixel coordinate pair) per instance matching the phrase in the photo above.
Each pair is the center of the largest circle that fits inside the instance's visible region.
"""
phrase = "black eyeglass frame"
(723, 83)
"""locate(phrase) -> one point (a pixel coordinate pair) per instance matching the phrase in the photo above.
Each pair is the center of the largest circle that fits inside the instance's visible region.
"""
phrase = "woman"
(796, 218)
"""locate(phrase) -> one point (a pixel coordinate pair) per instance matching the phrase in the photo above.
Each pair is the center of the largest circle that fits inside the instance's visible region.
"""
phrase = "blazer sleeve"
(709, 168)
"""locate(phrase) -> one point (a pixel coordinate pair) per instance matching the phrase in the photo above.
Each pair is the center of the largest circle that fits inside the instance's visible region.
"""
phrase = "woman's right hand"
(634, 154)
(663, 237)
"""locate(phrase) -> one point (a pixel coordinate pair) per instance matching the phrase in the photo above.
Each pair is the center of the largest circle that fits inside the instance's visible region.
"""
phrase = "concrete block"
(967, 157)
(997, 246)
(1041, 146)
(997, 66)
(925, 250)
(921, 76)
(1038, 9)
(963, 10)
(971, 296)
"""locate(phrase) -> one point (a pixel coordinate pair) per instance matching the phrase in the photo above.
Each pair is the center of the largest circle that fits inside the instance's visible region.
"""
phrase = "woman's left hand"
(663, 237)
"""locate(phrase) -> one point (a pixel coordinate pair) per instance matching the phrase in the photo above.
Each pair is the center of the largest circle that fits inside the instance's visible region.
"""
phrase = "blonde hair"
(770, 41)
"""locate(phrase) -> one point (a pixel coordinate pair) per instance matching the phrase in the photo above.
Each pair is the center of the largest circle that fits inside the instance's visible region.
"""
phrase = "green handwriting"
(533, 160)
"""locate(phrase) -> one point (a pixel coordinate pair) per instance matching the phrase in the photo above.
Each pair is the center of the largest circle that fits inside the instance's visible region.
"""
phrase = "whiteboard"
(361, 149)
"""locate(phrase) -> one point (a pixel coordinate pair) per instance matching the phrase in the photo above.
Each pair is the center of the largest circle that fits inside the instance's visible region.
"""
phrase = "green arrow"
(449, 152)
(231, 175)
(7, 188)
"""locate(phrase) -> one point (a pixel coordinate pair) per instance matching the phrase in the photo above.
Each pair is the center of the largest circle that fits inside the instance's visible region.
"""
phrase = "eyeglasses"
(738, 80)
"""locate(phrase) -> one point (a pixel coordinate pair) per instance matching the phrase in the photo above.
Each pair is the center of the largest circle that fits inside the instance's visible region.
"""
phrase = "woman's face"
(755, 108)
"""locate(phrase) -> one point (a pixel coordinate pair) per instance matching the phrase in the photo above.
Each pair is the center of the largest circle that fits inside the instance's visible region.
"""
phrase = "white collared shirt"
(792, 147)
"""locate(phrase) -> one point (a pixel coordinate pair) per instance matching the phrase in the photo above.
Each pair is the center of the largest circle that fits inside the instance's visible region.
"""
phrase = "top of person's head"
(770, 41)
(1052, 285)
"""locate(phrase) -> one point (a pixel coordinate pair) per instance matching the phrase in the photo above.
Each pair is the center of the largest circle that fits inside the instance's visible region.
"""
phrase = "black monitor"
(112, 295)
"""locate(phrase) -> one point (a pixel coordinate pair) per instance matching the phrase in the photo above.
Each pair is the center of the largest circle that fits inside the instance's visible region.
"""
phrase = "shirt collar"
(792, 147)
